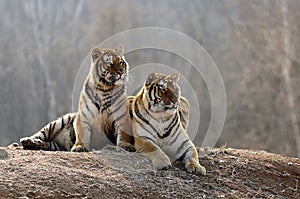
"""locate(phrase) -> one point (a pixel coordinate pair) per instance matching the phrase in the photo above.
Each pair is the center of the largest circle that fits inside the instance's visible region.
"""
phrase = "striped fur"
(58, 135)
(103, 114)
(160, 120)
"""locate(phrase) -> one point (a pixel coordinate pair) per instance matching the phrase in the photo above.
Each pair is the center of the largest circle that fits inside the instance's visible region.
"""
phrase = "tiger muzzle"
(115, 77)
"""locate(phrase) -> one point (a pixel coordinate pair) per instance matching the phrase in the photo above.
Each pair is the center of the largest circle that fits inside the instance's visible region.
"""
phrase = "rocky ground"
(111, 173)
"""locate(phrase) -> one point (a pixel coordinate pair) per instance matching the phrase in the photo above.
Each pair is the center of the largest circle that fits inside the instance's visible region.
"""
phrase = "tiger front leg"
(150, 150)
(191, 160)
(83, 135)
(124, 134)
(124, 141)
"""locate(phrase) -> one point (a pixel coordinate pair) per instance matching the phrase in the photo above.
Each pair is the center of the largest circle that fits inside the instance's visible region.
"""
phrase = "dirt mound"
(112, 173)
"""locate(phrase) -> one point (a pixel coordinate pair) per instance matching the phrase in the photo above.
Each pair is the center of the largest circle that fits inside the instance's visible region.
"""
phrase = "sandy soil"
(112, 173)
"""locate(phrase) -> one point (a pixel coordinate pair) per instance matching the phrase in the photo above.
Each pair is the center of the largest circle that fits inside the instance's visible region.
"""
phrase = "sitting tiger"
(160, 118)
(103, 114)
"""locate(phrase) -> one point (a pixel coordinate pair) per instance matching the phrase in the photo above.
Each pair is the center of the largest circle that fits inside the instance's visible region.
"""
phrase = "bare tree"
(286, 66)
(254, 44)
(42, 39)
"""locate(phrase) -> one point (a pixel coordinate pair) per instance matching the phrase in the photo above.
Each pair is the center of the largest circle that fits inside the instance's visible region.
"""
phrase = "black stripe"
(170, 127)
(105, 106)
(113, 124)
(148, 113)
(130, 114)
(150, 92)
(149, 105)
(184, 154)
(87, 107)
(97, 68)
(111, 137)
(108, 102)
(50, 130)
(118, 108)
(112, 99)
(59, 147)
(181, 116)
(137, 112)
(89, 92)
(121, 116)
(44, 134)
(83, 113)
(144, 127)
(72, 120)
(182, 146)
(62, 123)
(117, 92)
(156, 93)
(109, 97)
(91, 96)
(174, 139)
(69, 117)
(147, 138)
(88, 125)
(102, 70)
(54, 124)
(56, 148)
(72, 135)
(50, 146)
(183, 121)
(168, 118)
(177, 127)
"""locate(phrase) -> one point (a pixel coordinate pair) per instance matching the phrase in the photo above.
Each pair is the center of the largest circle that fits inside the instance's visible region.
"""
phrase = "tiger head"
(109, 66)
(162, 92)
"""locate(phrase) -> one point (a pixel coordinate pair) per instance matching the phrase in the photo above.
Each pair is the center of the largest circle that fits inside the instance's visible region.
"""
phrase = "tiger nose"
(119, 72)
(114, 76)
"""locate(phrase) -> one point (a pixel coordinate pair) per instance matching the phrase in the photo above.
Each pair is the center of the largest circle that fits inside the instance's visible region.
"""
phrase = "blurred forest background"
(255, 44)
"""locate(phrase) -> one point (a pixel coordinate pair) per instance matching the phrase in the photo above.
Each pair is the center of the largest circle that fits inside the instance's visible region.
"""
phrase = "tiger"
(58, 135)
(160, 117)
(103, 106)
(103, 113)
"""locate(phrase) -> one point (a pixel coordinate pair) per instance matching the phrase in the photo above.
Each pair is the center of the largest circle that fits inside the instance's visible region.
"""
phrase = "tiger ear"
(150, 79)
(175, 77)
(119, 49)
(96, 52)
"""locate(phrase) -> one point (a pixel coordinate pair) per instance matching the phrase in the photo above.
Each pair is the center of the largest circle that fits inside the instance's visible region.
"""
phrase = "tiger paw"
(195, 167)
(162, 163)
(32, 144)
(79, 148)
(127, 146)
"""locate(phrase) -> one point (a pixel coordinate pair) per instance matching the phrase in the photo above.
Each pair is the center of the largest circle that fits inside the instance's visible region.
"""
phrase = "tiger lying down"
(103, 115)
(160, 118)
